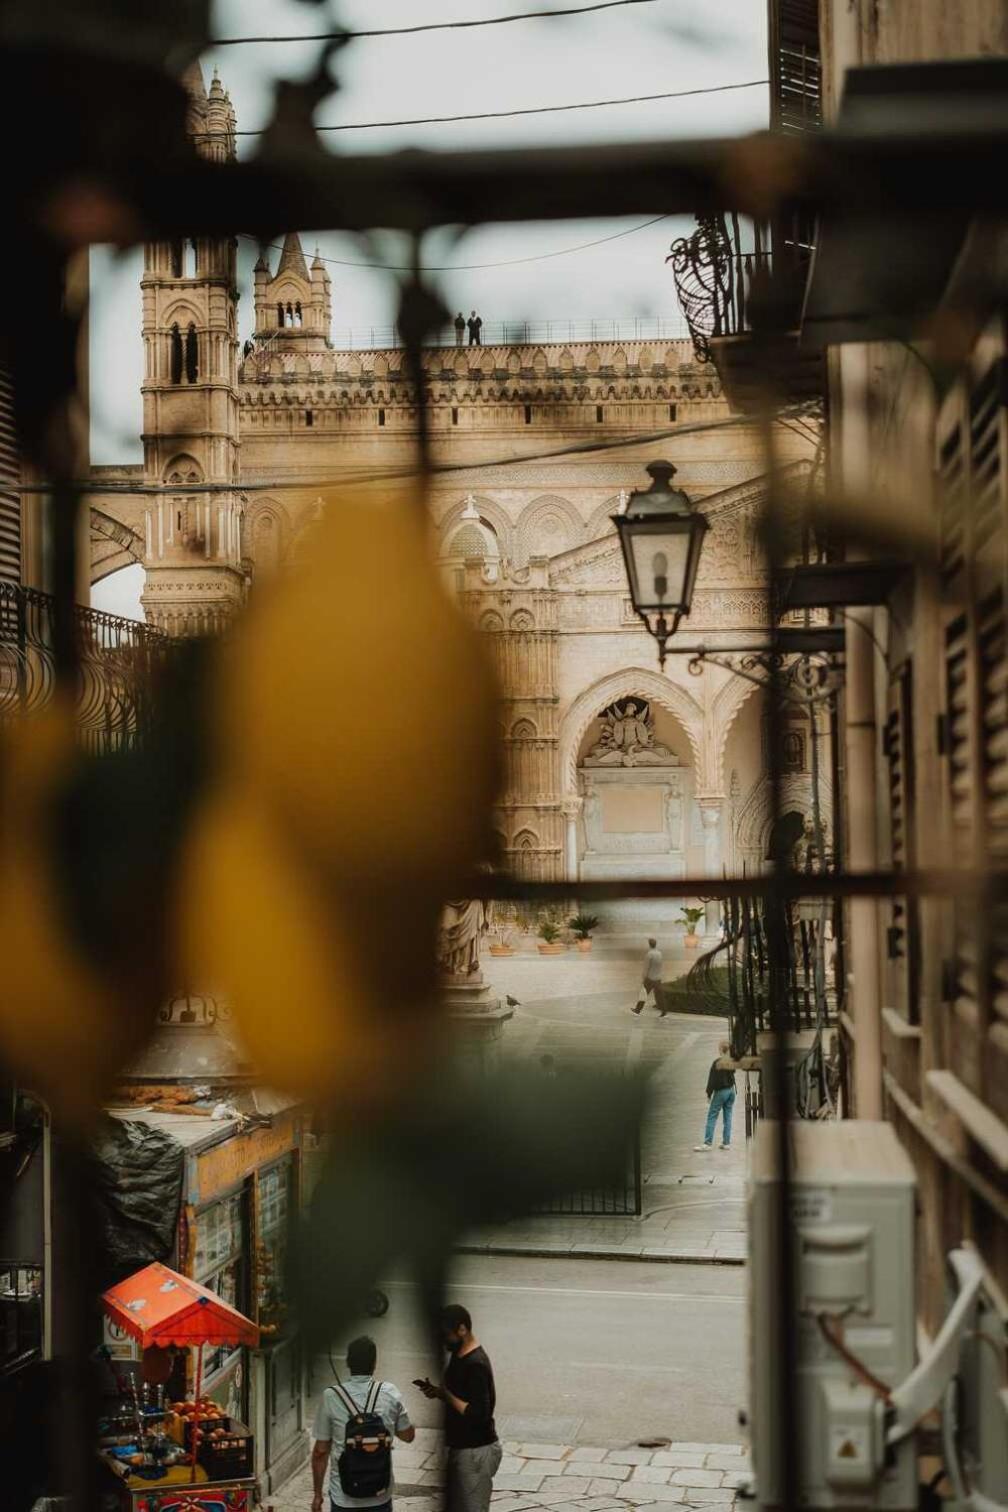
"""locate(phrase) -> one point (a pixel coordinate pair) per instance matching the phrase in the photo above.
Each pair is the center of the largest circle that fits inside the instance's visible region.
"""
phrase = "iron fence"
(116, 663)
(625, 1200)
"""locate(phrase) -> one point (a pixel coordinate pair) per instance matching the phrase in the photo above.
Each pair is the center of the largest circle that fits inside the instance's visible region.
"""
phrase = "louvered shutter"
(902, 938)
(973, 556)
(10, 498)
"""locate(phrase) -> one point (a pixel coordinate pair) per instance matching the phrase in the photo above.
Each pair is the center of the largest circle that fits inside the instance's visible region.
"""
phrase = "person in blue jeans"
(721, 1095)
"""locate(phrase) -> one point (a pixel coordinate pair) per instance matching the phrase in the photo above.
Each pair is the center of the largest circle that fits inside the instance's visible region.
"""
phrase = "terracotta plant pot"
(584, 946)
(501, 950)
(691, 941)
(556, 949)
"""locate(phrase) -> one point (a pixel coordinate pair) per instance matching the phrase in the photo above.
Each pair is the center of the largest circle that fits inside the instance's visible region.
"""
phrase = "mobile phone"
(421, 1384)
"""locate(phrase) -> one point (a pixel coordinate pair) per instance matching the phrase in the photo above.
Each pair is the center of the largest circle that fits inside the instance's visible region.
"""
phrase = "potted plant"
(582, 924)
(691, 918)
(550, 942)
(501, 945)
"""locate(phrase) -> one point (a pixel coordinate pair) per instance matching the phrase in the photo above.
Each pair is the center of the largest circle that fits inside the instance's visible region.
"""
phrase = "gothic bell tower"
(194, 582)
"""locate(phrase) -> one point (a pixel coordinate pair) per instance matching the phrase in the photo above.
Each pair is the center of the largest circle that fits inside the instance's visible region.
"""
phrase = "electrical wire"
(431, 26)
(500, 115)
(113, 486)
(510, 262)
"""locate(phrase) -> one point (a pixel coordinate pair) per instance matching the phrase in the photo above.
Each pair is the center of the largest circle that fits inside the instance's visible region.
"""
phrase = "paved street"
(590, 1356)
(579, 1007)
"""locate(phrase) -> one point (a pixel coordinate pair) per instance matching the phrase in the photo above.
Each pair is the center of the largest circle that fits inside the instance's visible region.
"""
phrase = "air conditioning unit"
(850, 1230)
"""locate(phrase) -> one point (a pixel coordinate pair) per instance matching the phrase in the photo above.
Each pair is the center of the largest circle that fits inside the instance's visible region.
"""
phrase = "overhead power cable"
(342, 262)
(500, 115)
(430, 26)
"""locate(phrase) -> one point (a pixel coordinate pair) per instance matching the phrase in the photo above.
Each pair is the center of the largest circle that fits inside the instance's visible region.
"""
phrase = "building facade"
(534, 449)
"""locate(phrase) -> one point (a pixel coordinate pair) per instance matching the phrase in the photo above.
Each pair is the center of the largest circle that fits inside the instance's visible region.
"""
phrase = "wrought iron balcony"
(117, 661)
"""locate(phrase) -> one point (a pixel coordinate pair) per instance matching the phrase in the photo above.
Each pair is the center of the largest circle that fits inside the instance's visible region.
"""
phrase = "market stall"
(163, 1450)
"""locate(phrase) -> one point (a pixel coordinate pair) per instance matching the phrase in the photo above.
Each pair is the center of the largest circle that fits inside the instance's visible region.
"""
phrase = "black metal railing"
(117, 660)
(622, 1200)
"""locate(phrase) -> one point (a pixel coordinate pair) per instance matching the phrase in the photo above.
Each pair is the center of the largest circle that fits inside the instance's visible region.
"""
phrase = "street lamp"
(661, 539)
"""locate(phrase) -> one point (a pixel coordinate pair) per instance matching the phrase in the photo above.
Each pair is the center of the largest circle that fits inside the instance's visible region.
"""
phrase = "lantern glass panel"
(658, 558)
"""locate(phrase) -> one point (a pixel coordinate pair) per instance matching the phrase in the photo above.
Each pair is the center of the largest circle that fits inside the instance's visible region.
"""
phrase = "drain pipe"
(860, 739)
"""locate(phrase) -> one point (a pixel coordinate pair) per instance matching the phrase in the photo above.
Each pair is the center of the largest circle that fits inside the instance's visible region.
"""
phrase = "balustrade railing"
(510, 333)
(118, 659)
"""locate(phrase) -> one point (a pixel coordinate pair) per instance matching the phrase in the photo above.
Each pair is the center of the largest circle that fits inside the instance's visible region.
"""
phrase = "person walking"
(652, 977)
(356, 1470)
(460, 326)
(721, 1095)
(470, 1399)
(475, 324)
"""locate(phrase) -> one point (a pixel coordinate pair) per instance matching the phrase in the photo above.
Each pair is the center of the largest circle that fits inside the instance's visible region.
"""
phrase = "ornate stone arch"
(600, 521)
(729, 701)
(523, 729)
(755, 817)
(491, 622)
(183, 468)
(623, 684)
(552, 518)
(183, 313)
(266, 534)
(526, 840)
(114, 545)
(489, 512)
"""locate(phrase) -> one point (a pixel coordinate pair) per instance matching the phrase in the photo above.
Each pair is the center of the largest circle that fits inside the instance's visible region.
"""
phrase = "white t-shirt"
(331, 1421)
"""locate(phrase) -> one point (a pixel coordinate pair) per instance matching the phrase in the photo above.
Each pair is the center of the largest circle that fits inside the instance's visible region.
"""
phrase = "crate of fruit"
(226, 1453)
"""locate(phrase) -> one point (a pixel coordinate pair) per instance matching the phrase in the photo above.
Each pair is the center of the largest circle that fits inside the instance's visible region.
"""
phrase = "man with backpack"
(355, 1424)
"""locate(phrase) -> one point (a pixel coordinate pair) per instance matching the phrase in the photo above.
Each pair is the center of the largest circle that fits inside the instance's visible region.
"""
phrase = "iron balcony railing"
(117, 660)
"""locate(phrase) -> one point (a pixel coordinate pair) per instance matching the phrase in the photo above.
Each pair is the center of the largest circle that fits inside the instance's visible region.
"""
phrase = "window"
(176, 259)
(280, 314)
(381, 417)
(454, 414)
(175, 354)
(309, 418)
(598, 414)
(221, 1263)
(528, 414)
(189, 258)
(671, 411)
(192, 354)
(297, 313)
(274, 1218)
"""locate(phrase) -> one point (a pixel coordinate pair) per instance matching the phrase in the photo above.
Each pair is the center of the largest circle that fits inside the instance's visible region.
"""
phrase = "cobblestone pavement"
(578, 1007)
(562, 1476)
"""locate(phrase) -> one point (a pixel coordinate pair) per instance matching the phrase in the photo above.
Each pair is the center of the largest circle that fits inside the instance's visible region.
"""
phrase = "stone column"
(478, 1019)
(710, 817)
(571, 808)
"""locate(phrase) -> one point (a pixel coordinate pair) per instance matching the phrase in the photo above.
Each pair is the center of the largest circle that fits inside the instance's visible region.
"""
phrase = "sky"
(650, 48)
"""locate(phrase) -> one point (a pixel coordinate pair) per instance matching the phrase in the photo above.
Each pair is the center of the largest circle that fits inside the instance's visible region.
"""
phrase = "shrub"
(582, 924)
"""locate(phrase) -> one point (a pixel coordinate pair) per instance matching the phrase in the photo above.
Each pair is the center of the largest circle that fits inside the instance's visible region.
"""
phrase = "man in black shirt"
(469, 1395)
(721, 1095)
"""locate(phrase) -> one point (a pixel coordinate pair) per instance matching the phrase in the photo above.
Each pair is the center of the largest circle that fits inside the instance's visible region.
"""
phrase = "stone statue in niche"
(462, 925)
(628, 738)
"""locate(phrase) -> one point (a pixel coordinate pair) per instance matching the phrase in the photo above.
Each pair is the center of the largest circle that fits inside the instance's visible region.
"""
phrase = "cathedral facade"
(535, 448)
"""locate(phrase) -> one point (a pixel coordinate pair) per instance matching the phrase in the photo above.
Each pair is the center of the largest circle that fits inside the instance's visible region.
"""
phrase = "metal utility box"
(851, 1231)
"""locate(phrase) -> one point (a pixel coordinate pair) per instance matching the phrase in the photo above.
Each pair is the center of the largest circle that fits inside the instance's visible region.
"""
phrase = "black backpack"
(365, 1466)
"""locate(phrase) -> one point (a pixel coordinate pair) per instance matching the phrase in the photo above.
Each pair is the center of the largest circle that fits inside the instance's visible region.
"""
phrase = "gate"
(623, 1201)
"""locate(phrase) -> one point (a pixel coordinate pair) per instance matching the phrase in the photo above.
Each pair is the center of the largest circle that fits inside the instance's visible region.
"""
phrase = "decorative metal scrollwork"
(702, 266)
(808, 679)
(116, 661)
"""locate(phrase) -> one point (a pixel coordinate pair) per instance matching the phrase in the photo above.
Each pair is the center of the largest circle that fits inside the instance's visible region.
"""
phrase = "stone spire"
(292, 258)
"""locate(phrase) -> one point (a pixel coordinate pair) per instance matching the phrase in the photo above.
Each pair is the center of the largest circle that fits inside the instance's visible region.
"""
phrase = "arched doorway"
(639, 818)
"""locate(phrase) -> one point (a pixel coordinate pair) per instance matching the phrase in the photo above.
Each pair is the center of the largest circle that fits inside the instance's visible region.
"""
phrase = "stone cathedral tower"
(192, 545)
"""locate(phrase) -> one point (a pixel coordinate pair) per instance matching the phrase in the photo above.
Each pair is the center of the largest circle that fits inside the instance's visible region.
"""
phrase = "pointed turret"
(292, 258)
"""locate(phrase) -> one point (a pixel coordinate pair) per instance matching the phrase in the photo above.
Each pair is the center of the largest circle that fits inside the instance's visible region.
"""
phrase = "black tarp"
(138, 1189)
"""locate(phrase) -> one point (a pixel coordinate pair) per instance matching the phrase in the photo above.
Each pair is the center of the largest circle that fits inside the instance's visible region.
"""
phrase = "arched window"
(176, 259)
(175, 354)
(290, 314)
(297, 313)
(279, 314)
(189, 258)
(191, 354)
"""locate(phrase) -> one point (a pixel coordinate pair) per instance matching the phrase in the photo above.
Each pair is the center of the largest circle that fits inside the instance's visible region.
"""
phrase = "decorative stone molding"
(644, 682)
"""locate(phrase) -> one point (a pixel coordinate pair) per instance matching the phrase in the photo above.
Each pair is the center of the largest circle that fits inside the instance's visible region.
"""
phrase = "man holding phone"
(470, 1398)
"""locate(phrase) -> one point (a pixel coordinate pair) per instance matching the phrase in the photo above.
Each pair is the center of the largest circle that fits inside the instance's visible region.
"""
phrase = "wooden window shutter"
(902, 937)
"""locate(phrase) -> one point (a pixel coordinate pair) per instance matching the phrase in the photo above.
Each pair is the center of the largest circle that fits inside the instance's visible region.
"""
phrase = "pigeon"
(512, 1002)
